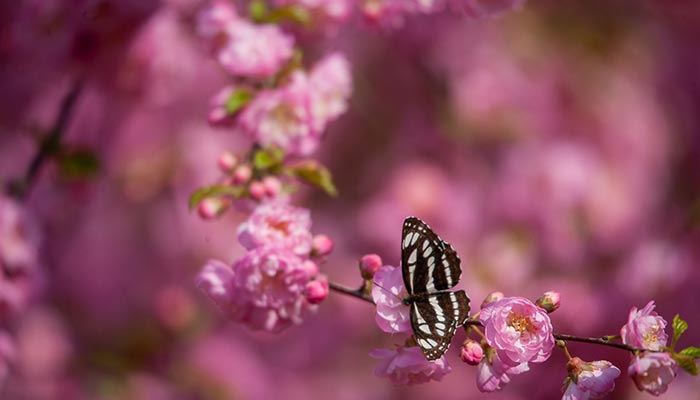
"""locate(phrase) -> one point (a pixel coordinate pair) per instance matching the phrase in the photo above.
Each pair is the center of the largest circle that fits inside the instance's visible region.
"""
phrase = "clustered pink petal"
(331, 84)
(653, 372)
(493, 374)
(392, 315)
(590, 380)
(645, 329)
(254, 50)
(282, 117)
(241, 47)
(407, 365)
(518, 330)
(280, 224)
(265, 289)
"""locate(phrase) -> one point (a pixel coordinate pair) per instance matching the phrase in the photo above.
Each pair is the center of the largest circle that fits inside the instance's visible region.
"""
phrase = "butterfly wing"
(435, 319)
(428, 263)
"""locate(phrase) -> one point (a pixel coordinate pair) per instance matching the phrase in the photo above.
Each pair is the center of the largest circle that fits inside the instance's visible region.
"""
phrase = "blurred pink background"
(556, 147)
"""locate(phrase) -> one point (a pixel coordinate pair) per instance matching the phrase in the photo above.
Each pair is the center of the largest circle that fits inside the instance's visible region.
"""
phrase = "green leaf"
(268, 158)
(691, 351)
(316, 174)
(237, 100)
(292, 13)
(211, 191)
(78, 163)
(679, 326)
(687, 363)
(257, 10)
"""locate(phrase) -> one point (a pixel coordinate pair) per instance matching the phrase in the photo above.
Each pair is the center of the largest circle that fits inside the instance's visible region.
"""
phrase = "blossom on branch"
(280, 224)
(493, 374)
(266, 289)
(518, 330)
(392, 315)
(645, 329)
(653, 372)
(589, 380)
(407, 366)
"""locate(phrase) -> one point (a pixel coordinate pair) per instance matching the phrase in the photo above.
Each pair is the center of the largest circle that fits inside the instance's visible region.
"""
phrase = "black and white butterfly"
(430, 268)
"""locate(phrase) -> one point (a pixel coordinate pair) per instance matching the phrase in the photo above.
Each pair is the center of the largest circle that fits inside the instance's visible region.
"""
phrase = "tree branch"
(357, 293)
(50, 143)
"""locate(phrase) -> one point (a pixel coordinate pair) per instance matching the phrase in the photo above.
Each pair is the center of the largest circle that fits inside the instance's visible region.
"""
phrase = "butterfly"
(430, 267)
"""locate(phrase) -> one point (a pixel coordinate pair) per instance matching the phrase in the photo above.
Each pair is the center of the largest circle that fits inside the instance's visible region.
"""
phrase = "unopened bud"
(322, 245)
(227, 161)
(273, 186)
(311, 268)
(256, 190)
(550, 301)
(369, 265)
(317, 290)
(492, 297)
(242, 174)
(472, 352)
(212, 207)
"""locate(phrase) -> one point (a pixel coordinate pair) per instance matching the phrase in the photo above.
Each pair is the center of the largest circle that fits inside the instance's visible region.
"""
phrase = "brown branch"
(357, 293)
(50, 144)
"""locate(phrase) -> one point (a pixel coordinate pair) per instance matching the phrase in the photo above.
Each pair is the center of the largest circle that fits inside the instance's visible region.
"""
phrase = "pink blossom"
(653, 372)
(388, 292)
(265, 289)
(331, 84)
(407, 365)
(518, 330)
(242, 173)
(212, 207)
(283, 117)
(241, 47)
(493, 374)
(645, 328)
(471, 352)
(589, 380)
(316, 290)
(280, 224)
(256, 190)
(213, 20)
(254, 50)
(19, 237)
(273, 186)
(492, 297)
(226, 161)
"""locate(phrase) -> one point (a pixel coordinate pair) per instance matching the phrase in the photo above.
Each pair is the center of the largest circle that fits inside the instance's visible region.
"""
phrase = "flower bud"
(272, 185)
(369, 265)
(550, 301)
(212, 207)
(311, 268)
(471, 352)
(317, 290)
(256, 190)
(227, 161)
(492, 297)
(242, 174)
(322, 245)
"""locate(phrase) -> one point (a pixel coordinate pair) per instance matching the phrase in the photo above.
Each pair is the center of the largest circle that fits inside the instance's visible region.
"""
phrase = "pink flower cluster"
(241, 47)
(517, 333)
(294, 116)
(408, 366)
(276, 282)
(651, 371)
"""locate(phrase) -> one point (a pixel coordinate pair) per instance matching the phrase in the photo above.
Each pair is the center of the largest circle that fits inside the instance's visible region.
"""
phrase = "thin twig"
(50, 144)
(357, 293)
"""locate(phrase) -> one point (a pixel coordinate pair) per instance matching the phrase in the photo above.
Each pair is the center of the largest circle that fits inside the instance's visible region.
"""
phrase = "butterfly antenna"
(387, 290)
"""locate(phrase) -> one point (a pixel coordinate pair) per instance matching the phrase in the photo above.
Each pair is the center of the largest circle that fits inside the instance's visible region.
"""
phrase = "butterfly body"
(430, 267)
